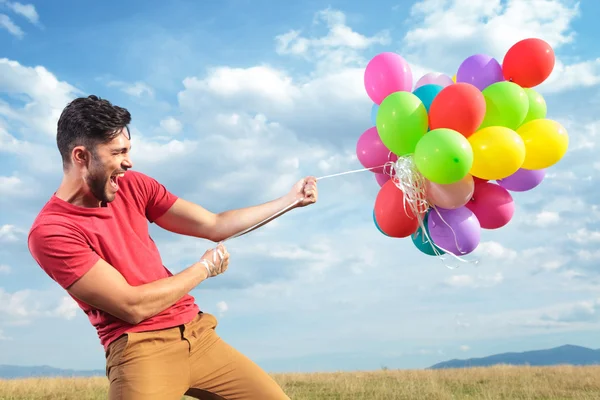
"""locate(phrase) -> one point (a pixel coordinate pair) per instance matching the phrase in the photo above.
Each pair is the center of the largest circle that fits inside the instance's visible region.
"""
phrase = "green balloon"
(537, 106)
(422, 243)
(443, 156)
(401, 122)
(506, 104)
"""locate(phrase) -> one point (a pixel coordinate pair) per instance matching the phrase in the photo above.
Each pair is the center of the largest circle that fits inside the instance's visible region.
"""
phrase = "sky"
(232, 103)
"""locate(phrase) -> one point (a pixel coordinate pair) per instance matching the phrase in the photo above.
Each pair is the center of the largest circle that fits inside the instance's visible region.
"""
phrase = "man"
(92, 238)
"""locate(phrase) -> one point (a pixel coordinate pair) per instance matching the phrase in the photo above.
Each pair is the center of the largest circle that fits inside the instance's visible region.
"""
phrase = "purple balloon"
(523, 180)
(458, 226)
(480, 70)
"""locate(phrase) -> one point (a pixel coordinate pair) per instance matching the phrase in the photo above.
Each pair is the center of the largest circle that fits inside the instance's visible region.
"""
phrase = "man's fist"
(216, 260)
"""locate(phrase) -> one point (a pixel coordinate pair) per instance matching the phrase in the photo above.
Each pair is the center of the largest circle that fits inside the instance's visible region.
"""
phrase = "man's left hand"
(306, 191)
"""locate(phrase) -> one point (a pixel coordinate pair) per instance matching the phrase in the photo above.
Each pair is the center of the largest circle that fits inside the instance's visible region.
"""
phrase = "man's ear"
(80, 156)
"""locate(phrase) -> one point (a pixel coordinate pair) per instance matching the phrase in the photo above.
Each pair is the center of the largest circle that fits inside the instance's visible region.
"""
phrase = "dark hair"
(89, 121)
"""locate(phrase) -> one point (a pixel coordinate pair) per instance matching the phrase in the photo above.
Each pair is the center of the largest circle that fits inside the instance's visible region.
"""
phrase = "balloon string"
(406, 177)
(292, 205)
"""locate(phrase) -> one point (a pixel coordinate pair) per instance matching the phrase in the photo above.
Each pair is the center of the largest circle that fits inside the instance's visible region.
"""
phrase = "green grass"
(500, 382)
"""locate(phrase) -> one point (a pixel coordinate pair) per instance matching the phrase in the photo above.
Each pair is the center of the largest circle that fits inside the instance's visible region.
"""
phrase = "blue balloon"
(427, 93)
(374, 110)
(377, 225)
(422, 243)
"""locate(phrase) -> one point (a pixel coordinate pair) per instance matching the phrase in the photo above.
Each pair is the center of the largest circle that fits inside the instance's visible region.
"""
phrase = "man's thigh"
(149, 365)
(218, 371)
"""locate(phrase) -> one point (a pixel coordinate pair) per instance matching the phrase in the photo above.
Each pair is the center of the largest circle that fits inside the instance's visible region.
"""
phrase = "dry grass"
(501, 382)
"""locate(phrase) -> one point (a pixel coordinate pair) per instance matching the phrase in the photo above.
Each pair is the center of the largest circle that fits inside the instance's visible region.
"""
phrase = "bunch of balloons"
(448, 152)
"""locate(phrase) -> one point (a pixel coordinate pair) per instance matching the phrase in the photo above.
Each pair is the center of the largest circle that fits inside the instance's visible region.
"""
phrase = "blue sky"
(233, 103)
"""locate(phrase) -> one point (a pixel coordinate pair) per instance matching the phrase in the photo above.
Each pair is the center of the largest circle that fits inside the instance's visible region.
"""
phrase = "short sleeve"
(62, 252)
(158, 198)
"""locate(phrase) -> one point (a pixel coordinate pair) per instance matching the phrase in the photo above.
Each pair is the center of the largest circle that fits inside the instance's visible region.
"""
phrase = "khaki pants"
(190, 359)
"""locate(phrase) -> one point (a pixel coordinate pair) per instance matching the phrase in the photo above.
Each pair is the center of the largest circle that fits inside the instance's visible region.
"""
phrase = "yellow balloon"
(546, 142)
(454, 79)
(497, 152)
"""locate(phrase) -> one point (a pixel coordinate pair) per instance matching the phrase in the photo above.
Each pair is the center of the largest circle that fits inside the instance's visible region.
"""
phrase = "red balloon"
(492, 205)
(390, 212)
(528, 62)
(460, 107)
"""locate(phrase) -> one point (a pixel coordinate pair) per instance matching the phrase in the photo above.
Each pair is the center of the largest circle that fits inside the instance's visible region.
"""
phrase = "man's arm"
(187, 218)
(67, 258)
(190, 219)
(104, 288)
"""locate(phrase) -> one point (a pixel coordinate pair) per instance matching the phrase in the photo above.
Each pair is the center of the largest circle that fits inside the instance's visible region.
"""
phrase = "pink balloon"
(382, 178)
(450, 196)
(434, 78)
(492, 205)
(387, 73)
(372, 152)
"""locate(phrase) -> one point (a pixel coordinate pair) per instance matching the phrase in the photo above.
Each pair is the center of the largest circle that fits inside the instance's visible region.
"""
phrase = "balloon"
(537, 106)
(401, 122)
(460, 107)
(457, 231)
(454, 78)
(498, 152)
(528, 62)
(523, 180)
(450, 196)
(480, 70)
(434, 78)
(506, 105)
(377, 225)
(374, 109)
(546, 142)
(385, 74)
(443, 156)
(427, 93)
(422, 242)
(382, 178)
(372, 152)
(492, 205)
(392, 217)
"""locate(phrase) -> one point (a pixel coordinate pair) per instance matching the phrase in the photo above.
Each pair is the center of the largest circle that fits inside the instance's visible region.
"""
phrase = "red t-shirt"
(67, 240)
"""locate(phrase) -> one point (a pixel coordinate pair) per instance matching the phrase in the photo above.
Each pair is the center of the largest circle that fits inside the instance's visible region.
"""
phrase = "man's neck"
(73, 191)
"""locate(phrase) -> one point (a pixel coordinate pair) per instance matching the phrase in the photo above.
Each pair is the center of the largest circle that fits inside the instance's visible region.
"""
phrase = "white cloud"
(470, 281)
(4, 269)
(136, 89)
(545, 218)
(448, 31)
(341, 46)
(585, 236)
(43, 94)
(3, 337)
(22, 306)
(464, 347)
(10, 233)
(12, 28)
(495, 250)
(222, 308)
(26, 10)
(171, 125)
(67, 308)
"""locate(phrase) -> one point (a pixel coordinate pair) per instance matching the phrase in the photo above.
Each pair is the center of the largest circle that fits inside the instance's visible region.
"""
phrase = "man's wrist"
(204, 268)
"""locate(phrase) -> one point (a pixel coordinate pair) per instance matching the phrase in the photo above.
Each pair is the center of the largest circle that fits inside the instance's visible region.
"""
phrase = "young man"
(92, 238)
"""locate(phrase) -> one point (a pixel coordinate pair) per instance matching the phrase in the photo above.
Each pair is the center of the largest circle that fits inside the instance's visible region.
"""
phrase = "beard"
(97, 181)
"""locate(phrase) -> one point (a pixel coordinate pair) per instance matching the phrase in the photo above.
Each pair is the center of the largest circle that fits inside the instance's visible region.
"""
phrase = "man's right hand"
(215, 260)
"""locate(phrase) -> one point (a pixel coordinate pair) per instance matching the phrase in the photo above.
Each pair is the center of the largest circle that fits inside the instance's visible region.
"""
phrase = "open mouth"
(114, 180)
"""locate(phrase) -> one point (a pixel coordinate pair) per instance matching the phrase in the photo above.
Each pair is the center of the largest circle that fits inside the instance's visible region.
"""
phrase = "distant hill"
(567, 354)
(14, 371)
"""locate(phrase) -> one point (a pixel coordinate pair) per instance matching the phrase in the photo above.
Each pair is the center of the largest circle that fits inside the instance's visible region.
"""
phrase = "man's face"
(109, 162)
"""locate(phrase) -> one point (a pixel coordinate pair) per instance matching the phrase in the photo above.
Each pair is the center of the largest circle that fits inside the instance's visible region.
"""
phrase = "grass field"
(501, 382)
